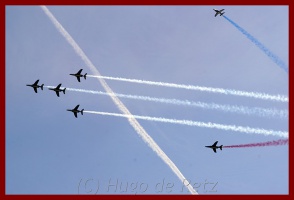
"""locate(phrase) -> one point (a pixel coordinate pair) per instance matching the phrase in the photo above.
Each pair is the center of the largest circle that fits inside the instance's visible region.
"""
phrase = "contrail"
(138, 128)
(256, 95)
(260, 112)
(271, 55)
(199, 124)
(260, 144)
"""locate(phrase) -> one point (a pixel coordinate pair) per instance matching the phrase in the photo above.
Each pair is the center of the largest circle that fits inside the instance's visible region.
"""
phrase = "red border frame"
(132, 2)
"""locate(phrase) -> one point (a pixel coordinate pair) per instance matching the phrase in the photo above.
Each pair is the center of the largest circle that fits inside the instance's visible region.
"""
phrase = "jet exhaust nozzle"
(85, 76)
(64, 90)
(82, 111)
(42, 86)
(221, 147)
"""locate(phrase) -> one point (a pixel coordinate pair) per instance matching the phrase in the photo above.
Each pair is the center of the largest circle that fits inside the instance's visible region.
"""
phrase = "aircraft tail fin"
(42, 86)
(82, 111)
(64, 90)
(85, 76)
(221, 147)
(222, 13)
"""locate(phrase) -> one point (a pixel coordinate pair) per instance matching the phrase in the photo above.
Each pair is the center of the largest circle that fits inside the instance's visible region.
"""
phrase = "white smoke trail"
(138, 128)
(261, 112)
(256, 95)
(200, 124)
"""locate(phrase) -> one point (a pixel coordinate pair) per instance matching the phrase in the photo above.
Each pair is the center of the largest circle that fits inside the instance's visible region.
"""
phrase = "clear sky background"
(49, 151)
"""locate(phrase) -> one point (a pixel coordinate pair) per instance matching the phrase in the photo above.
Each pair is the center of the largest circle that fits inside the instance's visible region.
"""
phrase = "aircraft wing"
(79, 72)
(216, 14)
(57, 93)
(78, 78)
(76, 115)
(36, 83)
(214, 144)
(58, 86)
(35, 90)
(214, 149)
(76, 107)
(222, 10)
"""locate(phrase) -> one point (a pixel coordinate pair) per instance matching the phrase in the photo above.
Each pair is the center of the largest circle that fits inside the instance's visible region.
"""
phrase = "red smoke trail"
(260, 144)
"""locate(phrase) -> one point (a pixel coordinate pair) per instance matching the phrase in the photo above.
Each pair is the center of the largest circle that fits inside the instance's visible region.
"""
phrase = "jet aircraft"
(219, 12)
(78, 75)
(35, 86)
(214, 147)
(57, 90)
(76, 111)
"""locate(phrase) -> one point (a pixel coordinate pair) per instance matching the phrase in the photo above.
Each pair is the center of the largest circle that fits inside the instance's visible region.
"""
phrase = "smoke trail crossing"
(261, 112)
(256, 95)
(271, 55)
(260, 144)
(199, 124)
(134, 123)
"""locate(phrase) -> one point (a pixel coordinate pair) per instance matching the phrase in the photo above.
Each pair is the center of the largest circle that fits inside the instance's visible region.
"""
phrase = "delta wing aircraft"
(214, 147)
(35, 86)
(76, 111)
(57, 89)
(79, 75)
(219, 12)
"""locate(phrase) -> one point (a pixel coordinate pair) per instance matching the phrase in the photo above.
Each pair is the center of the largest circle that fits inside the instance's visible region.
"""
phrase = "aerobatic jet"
(57, 89)
(76, 111)
(214, 147)
(78, 75)
(35, 86)
(219, 12)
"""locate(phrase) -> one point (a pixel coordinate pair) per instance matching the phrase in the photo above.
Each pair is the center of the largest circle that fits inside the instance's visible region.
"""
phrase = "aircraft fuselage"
(34, 86)
(77, 75)
(56, 90)
(212, 147)
(74, 111)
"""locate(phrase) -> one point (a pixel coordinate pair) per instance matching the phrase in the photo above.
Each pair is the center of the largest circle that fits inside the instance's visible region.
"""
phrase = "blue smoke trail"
(272, 56)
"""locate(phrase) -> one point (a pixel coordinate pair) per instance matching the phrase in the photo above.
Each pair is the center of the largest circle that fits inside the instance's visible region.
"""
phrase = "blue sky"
(48, 151)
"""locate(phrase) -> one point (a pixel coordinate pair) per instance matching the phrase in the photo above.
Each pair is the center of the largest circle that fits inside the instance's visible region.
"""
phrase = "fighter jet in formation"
(57, 90)
(214, 147)
(78, 75)
(35, 86)
(76, 111)
(219, 12)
